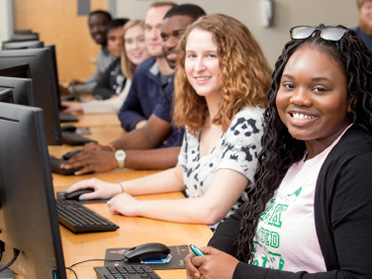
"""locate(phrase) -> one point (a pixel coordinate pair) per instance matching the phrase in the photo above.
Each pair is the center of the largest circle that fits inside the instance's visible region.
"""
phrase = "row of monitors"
(29, 122)
(39, 65)
(26, 186)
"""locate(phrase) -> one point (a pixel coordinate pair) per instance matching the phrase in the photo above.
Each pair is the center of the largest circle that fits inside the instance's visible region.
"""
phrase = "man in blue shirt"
(135, 150)
(151, 76)
(147, 85)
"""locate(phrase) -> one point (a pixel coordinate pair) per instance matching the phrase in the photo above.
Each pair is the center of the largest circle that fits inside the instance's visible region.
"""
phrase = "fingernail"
(81, 198)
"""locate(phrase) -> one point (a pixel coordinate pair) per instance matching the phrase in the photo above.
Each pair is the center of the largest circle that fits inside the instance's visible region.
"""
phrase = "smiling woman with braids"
(310, 213)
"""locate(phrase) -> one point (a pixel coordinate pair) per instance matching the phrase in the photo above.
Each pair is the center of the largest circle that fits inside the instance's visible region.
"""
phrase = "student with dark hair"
(97, 22)
(112, 82)
(141, 146)
(309, 214)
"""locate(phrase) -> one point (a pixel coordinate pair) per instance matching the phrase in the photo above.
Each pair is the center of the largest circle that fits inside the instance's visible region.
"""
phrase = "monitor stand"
(7, 274)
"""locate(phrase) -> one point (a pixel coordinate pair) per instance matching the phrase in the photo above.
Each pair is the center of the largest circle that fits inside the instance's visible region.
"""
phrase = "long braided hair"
(280, 149)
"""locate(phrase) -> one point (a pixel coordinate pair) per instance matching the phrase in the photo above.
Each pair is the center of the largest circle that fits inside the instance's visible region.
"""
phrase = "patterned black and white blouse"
(237, 149)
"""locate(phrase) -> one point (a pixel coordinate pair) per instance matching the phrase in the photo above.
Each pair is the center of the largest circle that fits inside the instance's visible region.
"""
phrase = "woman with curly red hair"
(220, 96)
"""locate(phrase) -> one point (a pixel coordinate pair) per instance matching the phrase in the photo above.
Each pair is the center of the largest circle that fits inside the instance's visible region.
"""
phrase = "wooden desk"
(132, 231)
(96, 120)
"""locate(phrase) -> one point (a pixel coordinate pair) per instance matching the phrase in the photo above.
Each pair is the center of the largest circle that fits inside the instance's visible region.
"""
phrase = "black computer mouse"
(76, 194)
(147, 252)
(68, 128)
(71, 153)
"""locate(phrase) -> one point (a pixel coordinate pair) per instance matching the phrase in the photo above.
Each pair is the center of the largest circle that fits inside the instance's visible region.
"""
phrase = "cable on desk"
(93, 260)
(90, 260)
(16, 253)
(73, 271)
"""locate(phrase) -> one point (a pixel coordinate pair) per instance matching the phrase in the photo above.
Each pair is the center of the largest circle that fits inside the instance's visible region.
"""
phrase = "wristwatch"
(120, 157)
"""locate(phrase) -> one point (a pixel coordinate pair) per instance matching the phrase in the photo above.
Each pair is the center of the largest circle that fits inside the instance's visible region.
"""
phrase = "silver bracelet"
(121, 186)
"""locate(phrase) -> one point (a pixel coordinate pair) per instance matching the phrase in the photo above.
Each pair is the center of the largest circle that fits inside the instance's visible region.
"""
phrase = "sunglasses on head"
(326, 33)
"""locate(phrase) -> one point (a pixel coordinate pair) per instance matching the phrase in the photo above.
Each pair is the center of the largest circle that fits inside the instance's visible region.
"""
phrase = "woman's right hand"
(191, 270)
(215, 264)
(102, 189)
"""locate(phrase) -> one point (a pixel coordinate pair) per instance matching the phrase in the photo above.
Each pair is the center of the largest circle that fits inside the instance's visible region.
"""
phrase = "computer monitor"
(63, 116)
(22, 44)
(6, 95)
(25, 37)
(19, 71)
(18, 78)
(23, 31)
(41, 67)
(28, 217)
(52, 49)
(23, 92)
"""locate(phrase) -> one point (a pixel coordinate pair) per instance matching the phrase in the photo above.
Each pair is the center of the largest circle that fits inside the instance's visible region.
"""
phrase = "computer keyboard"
(55, 164)
(67, 117)
(126, 272)
(79, 219)
(73, 138)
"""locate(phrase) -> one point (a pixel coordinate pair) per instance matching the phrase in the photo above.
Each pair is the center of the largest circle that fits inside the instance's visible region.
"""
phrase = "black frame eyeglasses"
(326, 33)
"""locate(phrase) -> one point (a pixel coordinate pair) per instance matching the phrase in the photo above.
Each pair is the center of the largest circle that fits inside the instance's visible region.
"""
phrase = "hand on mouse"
(102, 190)
(124, 204)
(215, 264)
(90, 161)
(72, 106)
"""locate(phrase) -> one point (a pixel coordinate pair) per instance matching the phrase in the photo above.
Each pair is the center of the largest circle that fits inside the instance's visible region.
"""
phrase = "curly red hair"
(244, 71)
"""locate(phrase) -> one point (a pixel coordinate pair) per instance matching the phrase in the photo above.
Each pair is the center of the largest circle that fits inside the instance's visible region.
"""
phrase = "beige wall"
(6, 23)
(288, 13)
(58, 23)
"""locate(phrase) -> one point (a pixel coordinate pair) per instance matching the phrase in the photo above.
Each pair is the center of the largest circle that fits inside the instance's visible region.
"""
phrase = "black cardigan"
(343, 215)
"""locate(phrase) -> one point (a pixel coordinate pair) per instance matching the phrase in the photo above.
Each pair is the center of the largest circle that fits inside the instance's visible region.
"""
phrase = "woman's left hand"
(124, 204)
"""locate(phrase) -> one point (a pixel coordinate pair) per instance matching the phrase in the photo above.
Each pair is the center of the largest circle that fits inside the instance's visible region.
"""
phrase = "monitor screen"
(46, 96)
(22, 44)
(20, 71)
(6, 95)
(28, 217)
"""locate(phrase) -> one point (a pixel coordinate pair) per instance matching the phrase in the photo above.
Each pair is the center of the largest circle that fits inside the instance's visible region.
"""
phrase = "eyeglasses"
(326, 33)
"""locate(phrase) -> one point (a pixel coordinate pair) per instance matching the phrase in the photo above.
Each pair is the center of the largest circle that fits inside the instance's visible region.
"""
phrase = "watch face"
(120, 157)
(119, 154)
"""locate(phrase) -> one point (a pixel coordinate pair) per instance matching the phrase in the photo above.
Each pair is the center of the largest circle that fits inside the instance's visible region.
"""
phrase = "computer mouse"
(76, 194)
(147, 252)
(71, 153)
(68, 128)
